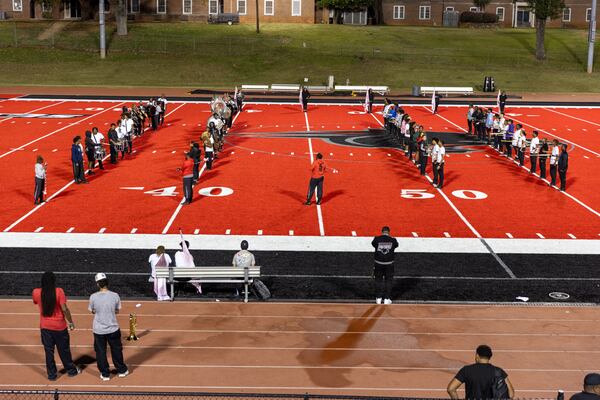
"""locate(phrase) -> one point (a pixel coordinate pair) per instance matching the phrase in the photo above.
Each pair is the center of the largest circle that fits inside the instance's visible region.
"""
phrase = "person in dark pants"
(55, 318)
(187, 171)
(441, 158)
(77, 161)
(195, 154)
(543, 156)
(317, 177)
(591, 388)
(436, 102)
(434, 157)
(554, 162)
(304, 96)
(113, 139)
(40, 180)
(534, 151)
(563, 165)
(423, 146)
(383, 272)
(502, 101)
(90, 149)
(105, 305)
(370, 98)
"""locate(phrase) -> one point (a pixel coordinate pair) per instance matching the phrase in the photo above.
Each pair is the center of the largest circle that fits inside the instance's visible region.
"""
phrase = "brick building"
(395, 12)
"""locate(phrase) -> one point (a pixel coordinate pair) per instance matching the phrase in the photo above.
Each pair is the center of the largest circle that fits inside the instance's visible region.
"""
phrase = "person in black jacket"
(195, 154)
(90, 149)
(113, 139)
(591, 388)
(563, 165)
(502, 101)
(383, 271)
(77, 160)
(305, 96)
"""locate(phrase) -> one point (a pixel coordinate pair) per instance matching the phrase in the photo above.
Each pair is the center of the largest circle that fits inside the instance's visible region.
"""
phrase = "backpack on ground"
(260, 290)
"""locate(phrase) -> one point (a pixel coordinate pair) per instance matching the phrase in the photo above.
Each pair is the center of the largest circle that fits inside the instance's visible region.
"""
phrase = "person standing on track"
(40, 180)
(317, 177)
(98, 141)
(52, 304)
(105, 305)
(554, 162)
(77, 161)
(383, 271)
(304, 96)
(522, 147)
(563, 165)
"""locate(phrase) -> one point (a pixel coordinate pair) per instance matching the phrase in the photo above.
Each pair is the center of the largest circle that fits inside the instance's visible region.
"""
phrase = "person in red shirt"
(317, 177)
(187, 170)
(52, 303)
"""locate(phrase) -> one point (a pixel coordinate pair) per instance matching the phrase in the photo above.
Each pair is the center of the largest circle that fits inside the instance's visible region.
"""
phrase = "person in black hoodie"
(563, 165)
(90, 149)
(195, 154)
(383, 272)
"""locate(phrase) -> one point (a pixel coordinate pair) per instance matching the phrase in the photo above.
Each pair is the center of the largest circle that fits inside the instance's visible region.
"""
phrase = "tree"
(121, 17)
(481, 4)
(543, 10)
(344, 5)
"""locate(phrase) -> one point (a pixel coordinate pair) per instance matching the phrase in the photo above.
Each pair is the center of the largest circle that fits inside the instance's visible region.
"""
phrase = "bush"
(478, 17)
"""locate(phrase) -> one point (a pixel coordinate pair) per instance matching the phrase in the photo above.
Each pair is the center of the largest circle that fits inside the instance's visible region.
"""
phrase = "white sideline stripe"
(540, 236)
(39, 229)
(61, 189)
(58, 130)
(310, 149)
(509, 235)
(570, 116)
(36, 110)
(581, 203)
(134, 230)
(303, 388)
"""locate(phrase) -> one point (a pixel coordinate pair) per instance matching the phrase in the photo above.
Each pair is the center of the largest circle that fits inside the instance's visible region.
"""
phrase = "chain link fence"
(85, 395)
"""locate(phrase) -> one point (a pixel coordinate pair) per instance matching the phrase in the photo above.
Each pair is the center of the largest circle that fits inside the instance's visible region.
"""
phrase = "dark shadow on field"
(569, 49)
(24, 356)
(522, 40)
(328, 196)
(294, 195)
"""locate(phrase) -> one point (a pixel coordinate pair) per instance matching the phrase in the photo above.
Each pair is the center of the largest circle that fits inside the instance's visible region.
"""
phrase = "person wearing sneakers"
(105, 305)
(383, 272)
(55, 323)
(317, 177)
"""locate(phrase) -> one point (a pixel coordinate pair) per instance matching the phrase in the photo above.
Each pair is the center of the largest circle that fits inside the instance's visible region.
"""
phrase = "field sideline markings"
(581, 203)
(310, 149)
(60, 129)
(64, 187)
(36, 110)
(571, 116)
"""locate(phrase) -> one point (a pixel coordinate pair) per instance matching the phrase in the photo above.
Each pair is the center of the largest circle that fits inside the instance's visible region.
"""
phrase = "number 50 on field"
(420, 194)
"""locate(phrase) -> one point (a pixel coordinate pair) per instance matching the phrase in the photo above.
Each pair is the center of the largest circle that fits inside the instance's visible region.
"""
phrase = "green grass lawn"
(199, 55)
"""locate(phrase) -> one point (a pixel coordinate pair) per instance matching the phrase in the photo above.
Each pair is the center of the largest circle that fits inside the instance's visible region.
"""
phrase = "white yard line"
(310, 149)
(571, 116)
(59, 130)
(36, 110)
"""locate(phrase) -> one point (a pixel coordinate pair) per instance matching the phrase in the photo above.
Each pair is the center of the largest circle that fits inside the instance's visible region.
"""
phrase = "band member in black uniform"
(502, 101)
(423, 153)
(40, 180)
(305, 97)
(113, 139)
(543, 156)
(371, 97)
(383, 271)
(90, 149)
(563, 165)
(151, 111)
(195, 154)
(77, 161)
(240, 100)
(162, 102)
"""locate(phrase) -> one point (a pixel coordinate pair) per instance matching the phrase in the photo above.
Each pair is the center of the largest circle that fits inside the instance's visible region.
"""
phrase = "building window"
(474, 9)
(588, 14)
(269, 7)
(187, 6)
(241, 7)
(296, 8)
(566, 14)
(134, 6)
(449, 8)
(213, 7)
(46, 6)
(398, 12)
(424, 12)
(17, 5)
(500, 13)
(161, 6)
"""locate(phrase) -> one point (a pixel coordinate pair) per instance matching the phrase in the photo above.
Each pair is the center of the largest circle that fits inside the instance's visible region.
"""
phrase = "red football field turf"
(264, 177)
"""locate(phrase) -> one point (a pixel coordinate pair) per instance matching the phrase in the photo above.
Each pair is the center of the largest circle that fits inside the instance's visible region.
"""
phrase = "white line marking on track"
(446, 234)
(260, 232)
(487, 156)
(509, 235)
(174, 151)
(102, 230)
(353, 233)
(153, 151)
(292, 153)
(34, 150)
(134, 230)
(571, 116)
(251, 152)
(39, 229)
(540, 236)
(71, 229)
(571, 236)
(56, 131)
(291, 233)
(310, 149)
(36, 110)
(415, 234)
(196, 231)
(586, 157)
(228, 231)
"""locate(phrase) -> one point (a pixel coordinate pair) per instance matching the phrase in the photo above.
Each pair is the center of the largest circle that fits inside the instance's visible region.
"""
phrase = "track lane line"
(59, 130)
(310, 149)
(180, 205)
(570, 116)
(36, 110)
(581, 203)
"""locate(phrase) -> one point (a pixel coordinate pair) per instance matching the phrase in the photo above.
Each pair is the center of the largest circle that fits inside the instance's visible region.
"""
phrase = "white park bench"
(255, 88)
(284, 87)
(228, 274)
(382, 90)
(446, 90)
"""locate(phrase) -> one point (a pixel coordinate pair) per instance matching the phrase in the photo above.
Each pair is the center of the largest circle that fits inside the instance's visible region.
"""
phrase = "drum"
(100, 153)
(120, 146)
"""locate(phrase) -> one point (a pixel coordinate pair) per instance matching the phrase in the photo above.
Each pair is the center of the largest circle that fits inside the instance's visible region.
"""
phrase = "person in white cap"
(105, 306)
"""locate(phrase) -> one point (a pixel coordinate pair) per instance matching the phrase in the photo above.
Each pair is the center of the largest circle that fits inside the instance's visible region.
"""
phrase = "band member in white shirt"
(162, 101)
(98, 140)
(128, 123)
(441, 160)
(522, 147)
(554, 161)
(534, 151)
(160, 259)
(122, 136)
(434, 159)
(515, 139)
(40, 180)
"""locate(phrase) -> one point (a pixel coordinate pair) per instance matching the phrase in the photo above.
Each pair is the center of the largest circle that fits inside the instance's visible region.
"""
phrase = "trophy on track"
(132, 327)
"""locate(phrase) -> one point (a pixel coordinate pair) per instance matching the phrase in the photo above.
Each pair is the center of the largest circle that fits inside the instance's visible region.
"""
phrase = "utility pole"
(592, 38)
(102, 30)
(257, 23)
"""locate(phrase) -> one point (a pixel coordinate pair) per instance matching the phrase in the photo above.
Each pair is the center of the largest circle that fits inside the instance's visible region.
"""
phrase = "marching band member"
(522, 147)
(434, 160)
(563, 165)
(496, 131)
(304, 96)
(160, 259)
(162, 103)
(128, 123)
(502, 101)
(423, 147)
(195, 154)
(554, 162)
(113, 139)
(122, 138)
(187, 171)
(208, 152)
(98, 140)
(502, 128)
(240, 100)
(90, 149)
(543, 156)
(77, 161)
(508, 138)
(40, 180)
(534, 151)
(470, 112)
(515, 139)
(489, 124)
(441, 160)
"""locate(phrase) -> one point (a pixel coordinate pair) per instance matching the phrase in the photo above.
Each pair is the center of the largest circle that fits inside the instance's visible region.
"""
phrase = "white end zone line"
(571, 116)
(310, 149)
(59, 129)
(180, 205)
(581, 203)
(64, 187)
(36, 110)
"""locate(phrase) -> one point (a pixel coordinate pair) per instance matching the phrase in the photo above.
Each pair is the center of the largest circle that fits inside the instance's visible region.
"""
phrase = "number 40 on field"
(421, 194)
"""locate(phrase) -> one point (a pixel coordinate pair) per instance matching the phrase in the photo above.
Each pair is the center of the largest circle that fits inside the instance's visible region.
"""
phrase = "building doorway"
(72, 9)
